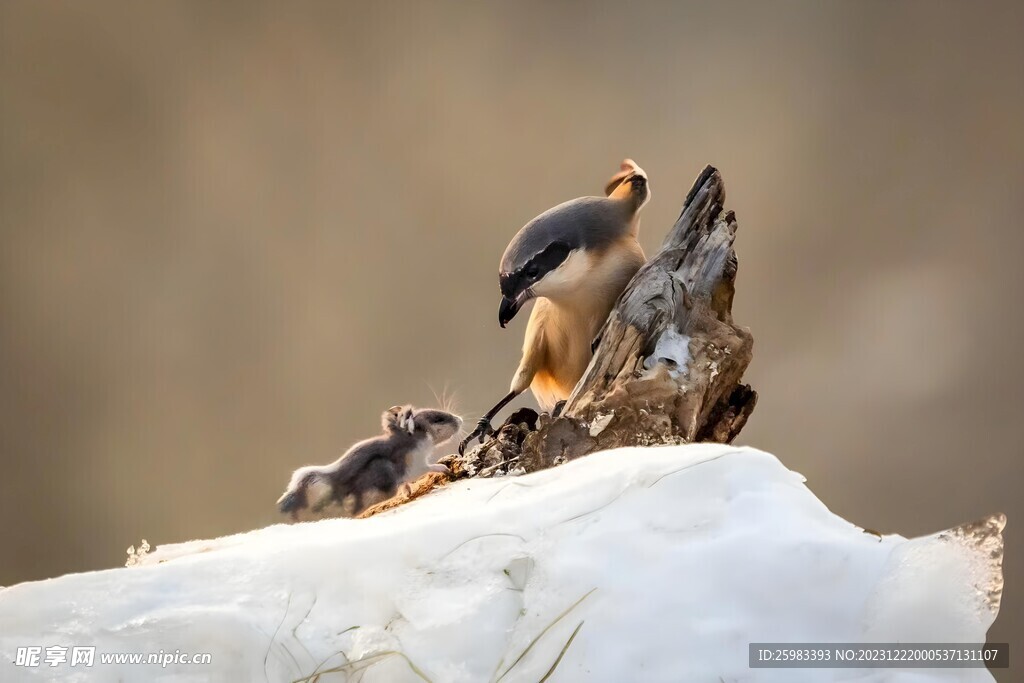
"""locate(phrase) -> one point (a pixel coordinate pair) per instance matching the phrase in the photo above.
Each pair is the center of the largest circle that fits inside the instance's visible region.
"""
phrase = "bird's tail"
(627, 169)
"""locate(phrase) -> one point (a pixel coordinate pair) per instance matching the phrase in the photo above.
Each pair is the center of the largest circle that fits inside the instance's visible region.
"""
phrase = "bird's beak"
(509, 307)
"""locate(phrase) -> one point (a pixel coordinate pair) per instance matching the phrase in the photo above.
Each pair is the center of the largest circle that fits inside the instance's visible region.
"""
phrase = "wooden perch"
(666, 369)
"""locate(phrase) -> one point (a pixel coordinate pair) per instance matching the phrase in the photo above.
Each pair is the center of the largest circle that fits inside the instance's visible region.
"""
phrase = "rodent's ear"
(389, 419)
(627, 168)
(408, 422)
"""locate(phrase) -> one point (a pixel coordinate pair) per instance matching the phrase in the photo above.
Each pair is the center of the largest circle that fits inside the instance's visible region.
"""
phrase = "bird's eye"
(532, 271)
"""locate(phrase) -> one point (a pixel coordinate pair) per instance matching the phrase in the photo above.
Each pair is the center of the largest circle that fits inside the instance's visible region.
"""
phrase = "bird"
(575, 259)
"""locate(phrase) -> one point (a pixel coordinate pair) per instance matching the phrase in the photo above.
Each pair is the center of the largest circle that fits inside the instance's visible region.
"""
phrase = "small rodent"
(371, 470)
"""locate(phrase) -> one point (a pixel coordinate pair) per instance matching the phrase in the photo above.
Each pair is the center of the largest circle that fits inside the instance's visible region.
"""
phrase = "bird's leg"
(483, 427)
(559, 407)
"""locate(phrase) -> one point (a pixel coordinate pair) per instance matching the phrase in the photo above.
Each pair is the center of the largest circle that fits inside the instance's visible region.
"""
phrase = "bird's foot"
(483, 428)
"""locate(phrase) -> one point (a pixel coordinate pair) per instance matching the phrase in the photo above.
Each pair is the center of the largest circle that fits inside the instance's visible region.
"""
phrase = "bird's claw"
(483, 428)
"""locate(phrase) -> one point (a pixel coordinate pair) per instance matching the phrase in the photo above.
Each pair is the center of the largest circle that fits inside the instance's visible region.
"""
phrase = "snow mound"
(652, 564)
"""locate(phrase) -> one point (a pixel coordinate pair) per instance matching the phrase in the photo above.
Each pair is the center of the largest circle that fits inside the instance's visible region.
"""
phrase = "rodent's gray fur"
(371, 470)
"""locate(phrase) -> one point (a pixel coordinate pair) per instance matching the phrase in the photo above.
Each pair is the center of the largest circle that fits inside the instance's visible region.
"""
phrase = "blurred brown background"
(231, 234)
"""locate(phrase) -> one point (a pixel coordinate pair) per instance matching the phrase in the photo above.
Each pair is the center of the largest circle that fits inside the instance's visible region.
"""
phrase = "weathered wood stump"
(667, 364)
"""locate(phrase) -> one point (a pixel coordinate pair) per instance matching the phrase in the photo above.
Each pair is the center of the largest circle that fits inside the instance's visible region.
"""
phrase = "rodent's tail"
(290, 502)
(398, 419)
(294, 496)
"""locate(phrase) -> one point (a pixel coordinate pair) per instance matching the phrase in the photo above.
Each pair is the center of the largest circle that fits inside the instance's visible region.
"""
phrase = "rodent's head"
(439, 425)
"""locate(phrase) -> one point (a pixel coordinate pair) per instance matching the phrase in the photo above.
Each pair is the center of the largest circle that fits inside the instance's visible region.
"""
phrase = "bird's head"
(553, 255)
(545, 272)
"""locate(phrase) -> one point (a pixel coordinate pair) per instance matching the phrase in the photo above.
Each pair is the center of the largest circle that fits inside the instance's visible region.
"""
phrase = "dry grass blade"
(541, 634)
(315, 676)
(363, 663)
(562, 653)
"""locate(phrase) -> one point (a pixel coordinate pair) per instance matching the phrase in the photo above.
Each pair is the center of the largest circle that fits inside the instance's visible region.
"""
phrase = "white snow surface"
(668, 560)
